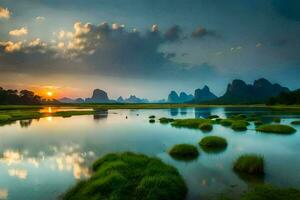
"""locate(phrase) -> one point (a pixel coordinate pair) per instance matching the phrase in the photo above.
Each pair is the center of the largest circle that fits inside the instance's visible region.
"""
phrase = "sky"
(146, 47)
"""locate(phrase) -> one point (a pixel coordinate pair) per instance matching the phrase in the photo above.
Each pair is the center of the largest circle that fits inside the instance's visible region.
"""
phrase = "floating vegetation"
(239, 125)
(165, 120)
(296, 122)
(276, 120)
(213, 144)
(276, 128)
(258, 123)
(213, 117)
(130, 176)
(152, 121)
(184, 152)
(226, 122)
(250, 164)
(190, 123)
(152, 116)
(206, 127)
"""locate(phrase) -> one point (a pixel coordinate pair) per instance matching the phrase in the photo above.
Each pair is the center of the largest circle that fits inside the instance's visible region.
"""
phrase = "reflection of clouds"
(67, 158)
(19, 173)
(3, 193)
(75, 162)
(11, 157)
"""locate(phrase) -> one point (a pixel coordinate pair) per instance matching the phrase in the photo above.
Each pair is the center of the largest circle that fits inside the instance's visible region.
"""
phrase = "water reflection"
(3, 193)
(100, 114)
(202, 112)
(25, 123)
(174, 112)
(19, 173)
(183, 111)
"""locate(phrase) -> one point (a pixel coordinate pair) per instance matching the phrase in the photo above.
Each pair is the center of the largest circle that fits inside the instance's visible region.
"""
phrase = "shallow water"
(40, 159)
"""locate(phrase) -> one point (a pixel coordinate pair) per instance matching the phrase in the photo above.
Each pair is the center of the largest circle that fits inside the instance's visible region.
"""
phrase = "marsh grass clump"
(165, 120)
(238, 117)
(152, 121)
(297, 122)
(129, 176)
(226, 122)
(239, 125)
(276, 120)
(206, 127)
(276, 128)
(152, 116)
(267, 192)
(184, 152)
(258, 123)
(213, 117)
(189, 123)
(213, 143)
(4, 118)
(249, 164)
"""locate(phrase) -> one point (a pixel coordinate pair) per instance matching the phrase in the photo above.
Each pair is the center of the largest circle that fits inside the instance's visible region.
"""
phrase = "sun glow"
(49, 94)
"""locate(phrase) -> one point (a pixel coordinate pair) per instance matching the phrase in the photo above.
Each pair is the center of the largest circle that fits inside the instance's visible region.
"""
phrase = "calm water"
(40, 159)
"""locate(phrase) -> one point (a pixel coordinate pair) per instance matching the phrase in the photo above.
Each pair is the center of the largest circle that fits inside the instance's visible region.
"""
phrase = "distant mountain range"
(200, 95)
(238, 92)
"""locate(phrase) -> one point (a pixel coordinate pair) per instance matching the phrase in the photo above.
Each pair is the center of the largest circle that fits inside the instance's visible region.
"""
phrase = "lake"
(40, 159)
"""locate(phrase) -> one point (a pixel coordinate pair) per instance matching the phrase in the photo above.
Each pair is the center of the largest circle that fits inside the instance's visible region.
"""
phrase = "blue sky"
(147, 47)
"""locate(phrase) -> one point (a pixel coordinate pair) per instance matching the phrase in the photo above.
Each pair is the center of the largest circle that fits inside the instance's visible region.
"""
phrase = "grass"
(129, 176)
(4, 118)
(249, 164)
(165, 120)
(190, 123)
(239, 125)
(276, 120)
(213, 117)
(152, 121)
(152, 116)
(213, 143)
(226, 122)
(267, 192)
(206, 127)
(258, 123)
(184, 152)
(276, 128)
(73, 113)
(297, 122)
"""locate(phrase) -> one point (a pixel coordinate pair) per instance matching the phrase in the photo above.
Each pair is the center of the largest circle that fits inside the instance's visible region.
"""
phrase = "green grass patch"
(129, 176)
(206, 127)
(297, 122)
(213, 143)
(239, 125)
(152, 121)
(267, 192)
(258, 123)
(165, 120)
(190, 123)
(249, 164)
(213, 117)
(276, 120)
(4, 118)
(184, 152)
(73, 113)
(276, 128)
(226, 122)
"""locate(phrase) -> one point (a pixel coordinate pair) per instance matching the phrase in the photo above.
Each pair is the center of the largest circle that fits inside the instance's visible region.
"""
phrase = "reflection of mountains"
(202, 112)
(100, 114)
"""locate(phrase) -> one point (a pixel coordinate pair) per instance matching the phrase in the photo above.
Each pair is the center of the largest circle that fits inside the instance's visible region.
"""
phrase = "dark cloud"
(201, 32)
(174, 33)
(105, 49)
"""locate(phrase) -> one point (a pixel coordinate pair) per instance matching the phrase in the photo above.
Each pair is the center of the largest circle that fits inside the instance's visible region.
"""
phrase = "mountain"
(203, 94)
(238, 92)
(79, 100)
(132, 99)
(286, 98)
(99, 96)
(66, 100)
(173, 97)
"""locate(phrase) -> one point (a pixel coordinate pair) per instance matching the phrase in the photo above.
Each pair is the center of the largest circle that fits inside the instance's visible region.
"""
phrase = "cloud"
(201, 32)
(4, 13)
(40, 18)
(173, 33)
(106, 49)
(19, 32)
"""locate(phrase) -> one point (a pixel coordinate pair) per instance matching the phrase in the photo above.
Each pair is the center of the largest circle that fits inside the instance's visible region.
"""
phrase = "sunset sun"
(49, 94)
